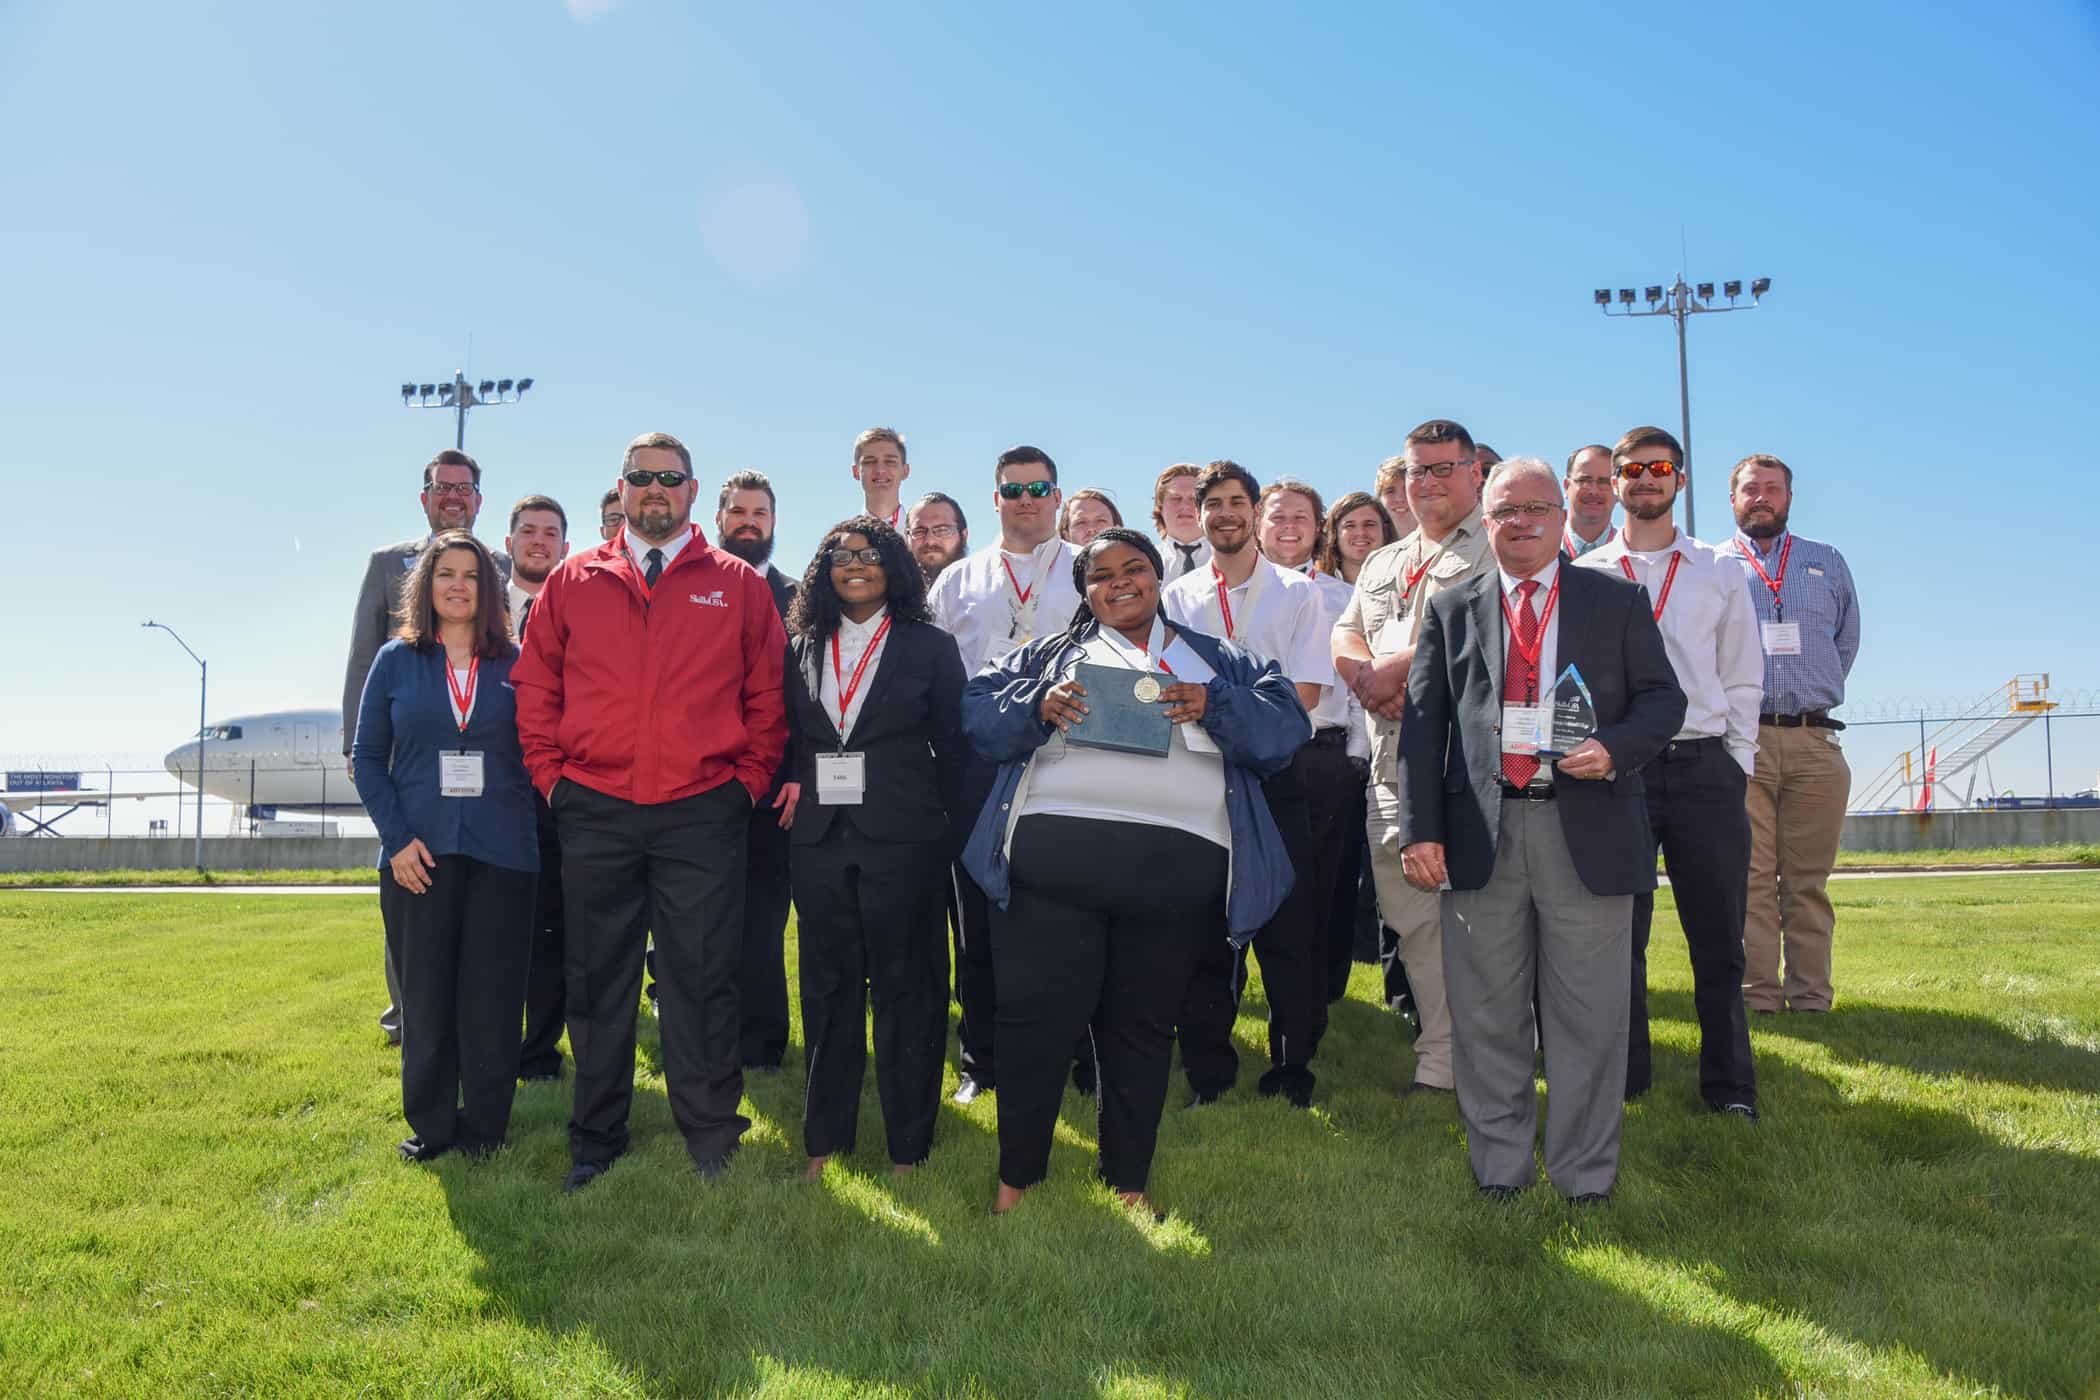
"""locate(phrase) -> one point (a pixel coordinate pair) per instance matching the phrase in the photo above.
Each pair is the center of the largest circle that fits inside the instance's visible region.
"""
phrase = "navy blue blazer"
(404, 720)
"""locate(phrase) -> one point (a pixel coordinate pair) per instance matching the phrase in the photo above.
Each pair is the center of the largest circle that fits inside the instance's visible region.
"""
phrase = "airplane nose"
(175, 761)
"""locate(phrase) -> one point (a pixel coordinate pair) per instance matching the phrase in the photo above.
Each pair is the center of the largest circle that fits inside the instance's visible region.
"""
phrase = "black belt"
(1813, 719)
(1332, 734)
(1534, 792)
(1689, 748)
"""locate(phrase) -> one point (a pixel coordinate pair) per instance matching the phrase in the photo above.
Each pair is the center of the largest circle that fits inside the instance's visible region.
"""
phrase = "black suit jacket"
(784, 591)
(1451, 732)
(909, 728)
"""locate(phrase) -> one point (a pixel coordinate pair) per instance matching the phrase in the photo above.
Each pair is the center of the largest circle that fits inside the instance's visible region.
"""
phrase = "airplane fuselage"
(284, 759)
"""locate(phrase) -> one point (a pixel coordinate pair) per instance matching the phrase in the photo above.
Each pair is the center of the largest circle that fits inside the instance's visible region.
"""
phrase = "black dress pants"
(762, 983)
(464, 944)
(547, 981)
(675, 869)
(976, 989)
(871, 923)
(1291, 948)
(1695, 809)
(1334, 812)
(1100, 932)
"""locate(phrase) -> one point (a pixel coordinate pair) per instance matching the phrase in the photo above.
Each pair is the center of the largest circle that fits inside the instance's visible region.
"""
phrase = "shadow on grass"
(1925, 1040)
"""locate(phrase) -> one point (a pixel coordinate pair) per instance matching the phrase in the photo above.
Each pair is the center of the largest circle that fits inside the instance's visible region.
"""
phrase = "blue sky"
(1130, 234)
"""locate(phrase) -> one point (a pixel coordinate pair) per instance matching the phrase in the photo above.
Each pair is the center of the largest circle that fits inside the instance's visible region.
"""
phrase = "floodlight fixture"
(1603, 295)
(524, 384)
(408, 391)
(426, 390)
(503, 386)
(1706, 291)
(488, 386)
(460, 395)
(1733, 289)
(1625, 299)
(1654, 295)
(1760, 286)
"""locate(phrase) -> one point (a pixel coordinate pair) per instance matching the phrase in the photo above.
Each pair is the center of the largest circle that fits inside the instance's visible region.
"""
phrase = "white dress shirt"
(1709, 627)
(977, 603)
(638, 548)
(853, 640)
(518, 599)
(1170, 552)
(1278, 614)
(1334, 708)
(1549, 639)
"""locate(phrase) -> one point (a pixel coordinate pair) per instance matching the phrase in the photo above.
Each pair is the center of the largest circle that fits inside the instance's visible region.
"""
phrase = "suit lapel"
(1576, 620)
(1484, 612)
(812, 662)
(893, 658)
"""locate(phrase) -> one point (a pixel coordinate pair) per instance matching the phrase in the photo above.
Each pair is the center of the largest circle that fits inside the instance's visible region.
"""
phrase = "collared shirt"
(1710, 632)
(853, 639)
(1816, 592)
(977, 603)
(1336, 703)
(638, 548)
(1276, 613)
(1549, 639)
(1386, 616)
(518, 599)
(1178, 557)
(1576, 546)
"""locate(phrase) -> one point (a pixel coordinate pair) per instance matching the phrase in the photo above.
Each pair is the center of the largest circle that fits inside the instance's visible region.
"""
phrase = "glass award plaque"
(1574, 716)
(1123, 711)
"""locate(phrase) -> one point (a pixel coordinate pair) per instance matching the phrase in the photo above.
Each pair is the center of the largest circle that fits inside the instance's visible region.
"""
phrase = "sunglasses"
(1014, 490)
(841, 557)
(1661, 471)
(642, 478)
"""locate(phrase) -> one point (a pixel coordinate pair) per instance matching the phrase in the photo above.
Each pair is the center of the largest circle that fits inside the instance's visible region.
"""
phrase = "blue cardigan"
(403, 722)
(1252, 712)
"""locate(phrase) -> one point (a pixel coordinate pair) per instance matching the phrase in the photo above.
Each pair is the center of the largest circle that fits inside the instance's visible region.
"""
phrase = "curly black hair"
(816, 610)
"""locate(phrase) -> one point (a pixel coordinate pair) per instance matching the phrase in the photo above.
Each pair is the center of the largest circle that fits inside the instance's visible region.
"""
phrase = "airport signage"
(41, 780)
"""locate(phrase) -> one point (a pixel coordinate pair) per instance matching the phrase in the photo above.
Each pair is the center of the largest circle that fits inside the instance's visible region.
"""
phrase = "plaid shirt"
(1816, 592)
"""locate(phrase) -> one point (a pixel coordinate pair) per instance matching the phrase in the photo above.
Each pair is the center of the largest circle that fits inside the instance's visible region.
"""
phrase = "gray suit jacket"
(378, 614)
(1450, 734)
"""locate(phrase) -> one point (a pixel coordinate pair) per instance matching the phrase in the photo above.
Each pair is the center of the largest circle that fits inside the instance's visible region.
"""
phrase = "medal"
(1147, 689)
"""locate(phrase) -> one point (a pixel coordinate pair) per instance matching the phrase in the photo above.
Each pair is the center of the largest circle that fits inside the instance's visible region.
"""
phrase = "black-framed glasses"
(639, 477)
(1439, 470)
(932, 532)
(1661, 471)
(1014, 490)
(452, 488)
(1530, 510)
(843, 556)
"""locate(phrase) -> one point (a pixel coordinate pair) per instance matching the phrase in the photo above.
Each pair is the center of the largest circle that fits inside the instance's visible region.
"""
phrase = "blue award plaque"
(1123, 711)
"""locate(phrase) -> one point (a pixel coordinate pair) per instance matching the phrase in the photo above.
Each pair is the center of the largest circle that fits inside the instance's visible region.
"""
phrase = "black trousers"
(1334, 809)
(871, 922)
(1695, 809)
(675, 869)
(1094, 938)
(464, 944)
(762, 982)
(1291, 948)
(547, 981)
(976, 989)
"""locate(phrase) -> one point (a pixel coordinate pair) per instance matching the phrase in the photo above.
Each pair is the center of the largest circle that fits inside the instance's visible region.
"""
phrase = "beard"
(932, 562)
(1652, 509)
(754, 552)
(529, 573)
(1763, 528)
(1246, 538)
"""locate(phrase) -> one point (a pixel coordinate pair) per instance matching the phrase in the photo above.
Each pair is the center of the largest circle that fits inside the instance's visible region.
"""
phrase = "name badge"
(1782, 638)
(1525, 728)
(841, 779)
(1392, 636)
(459, 774)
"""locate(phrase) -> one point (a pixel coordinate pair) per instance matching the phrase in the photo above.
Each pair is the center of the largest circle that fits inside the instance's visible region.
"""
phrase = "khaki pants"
(1412, 914)
(1796, 800)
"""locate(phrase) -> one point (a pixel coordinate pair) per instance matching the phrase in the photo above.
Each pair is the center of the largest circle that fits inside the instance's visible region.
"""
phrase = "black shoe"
(418, 1151)
(552, 1076)
(1738, 1108)
(1293, 1082)
(708, 1168)
(1591, 1198)
(967, 1091)
(1418, 1087)
(1500, 1195)
(762, 1067)
(583, 1174)
(1199, 1097)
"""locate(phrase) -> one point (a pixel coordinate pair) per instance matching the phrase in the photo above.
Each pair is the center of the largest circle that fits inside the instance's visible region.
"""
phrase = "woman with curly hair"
(874, 703)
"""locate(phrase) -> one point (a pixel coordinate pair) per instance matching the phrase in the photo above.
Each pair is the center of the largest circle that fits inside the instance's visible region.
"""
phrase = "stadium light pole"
(459, 396)
(1680, 303)
(202, 672)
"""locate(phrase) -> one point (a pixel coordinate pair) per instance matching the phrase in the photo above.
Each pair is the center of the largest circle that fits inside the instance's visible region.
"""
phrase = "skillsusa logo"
(709, 600)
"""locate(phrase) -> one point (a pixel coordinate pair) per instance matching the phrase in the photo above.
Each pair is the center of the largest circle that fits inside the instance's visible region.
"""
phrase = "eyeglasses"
(1587, 480)
(642, 478)
(932, 532)
(1530, 510)
(1013, 490)
(1439, 470)
(840, 558)
(611, 522)
(451, 488)
(1661, 471)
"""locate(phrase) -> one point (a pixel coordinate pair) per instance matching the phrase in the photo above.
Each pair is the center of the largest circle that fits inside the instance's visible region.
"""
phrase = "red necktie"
(1520, 683)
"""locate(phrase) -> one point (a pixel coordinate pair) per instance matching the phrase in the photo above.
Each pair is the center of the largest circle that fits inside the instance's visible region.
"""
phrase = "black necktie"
(655, 559)
(1188, 556)
(524, 616)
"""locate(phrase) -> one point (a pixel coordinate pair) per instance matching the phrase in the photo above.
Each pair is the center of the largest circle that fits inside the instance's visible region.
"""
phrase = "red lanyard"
(1669, 579)
(1575, 546)
(1146, 652)
(1538, 643)
(1224, 603)
(849, 689)
(1409, 580)
(1771, 582)
(1014, 579)
(463, 700)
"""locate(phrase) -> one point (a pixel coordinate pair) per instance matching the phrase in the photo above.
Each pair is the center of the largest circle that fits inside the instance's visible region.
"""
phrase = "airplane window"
(223, 732)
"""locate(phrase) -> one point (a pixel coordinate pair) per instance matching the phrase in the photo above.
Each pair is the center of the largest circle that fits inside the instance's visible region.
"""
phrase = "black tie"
(1188, 557)
(655, 558)
(524, 616)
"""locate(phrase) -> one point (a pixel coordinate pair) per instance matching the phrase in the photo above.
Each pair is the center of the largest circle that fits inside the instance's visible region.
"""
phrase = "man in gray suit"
(1541, 857)
(451, 501)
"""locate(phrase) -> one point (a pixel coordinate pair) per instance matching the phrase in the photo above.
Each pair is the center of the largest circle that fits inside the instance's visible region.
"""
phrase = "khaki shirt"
(1381, 598)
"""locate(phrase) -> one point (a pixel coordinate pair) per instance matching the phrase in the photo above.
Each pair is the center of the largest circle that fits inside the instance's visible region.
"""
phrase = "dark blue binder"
(1116, 719)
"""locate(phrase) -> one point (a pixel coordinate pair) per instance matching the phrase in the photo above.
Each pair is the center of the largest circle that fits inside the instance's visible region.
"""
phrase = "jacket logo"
(709, 600)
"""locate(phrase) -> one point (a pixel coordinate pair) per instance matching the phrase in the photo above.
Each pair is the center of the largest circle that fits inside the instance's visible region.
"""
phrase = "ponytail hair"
(1083, 623)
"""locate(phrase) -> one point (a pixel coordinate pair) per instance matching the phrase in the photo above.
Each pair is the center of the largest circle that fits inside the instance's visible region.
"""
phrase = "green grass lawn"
(203, 1199)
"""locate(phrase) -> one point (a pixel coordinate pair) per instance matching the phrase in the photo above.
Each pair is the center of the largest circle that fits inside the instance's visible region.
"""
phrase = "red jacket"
(652, 699)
